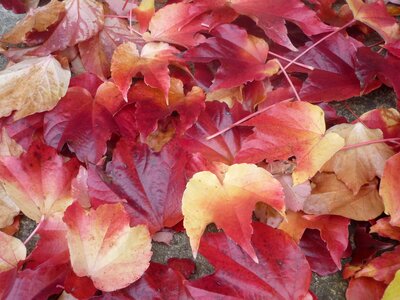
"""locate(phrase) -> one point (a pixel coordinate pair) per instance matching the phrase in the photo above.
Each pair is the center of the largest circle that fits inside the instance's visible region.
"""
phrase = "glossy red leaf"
(84, 123)
(276, 276)
(223, 148)
(151, 183)
(243, 57)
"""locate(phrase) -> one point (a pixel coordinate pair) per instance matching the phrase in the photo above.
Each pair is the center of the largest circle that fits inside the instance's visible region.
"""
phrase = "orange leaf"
(229, 202)
(291, 129)
(152, 62)
(12, 251)
(389, 189)
(105, 248)
(330, 196)
(359, 165)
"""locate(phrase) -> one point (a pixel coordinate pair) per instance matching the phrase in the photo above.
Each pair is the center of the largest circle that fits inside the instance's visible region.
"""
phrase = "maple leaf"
(151, 183)
(8, 209)
(223, 148)
(96, 52)
(365, 288)
(84, 123)
(271, 16)
(333, 231)
(228, 201)
(152, 62)
(237, 276)
(358, 166)
(19, 6)
(388, 189)
(243, 57)
(375, 15)
(291, 129)
(392, 291)
(82, 20)
(151, 107)
(144, 13)
(330, 196)
(31, 86)
(12, 251)
(101, 240)
(38, 20)
(295, 196)
(385, 229)
(38, 181)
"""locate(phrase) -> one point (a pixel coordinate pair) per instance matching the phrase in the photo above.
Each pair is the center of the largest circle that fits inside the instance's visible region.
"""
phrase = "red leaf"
(243, 57)
(276, 276)
(223, 148)
(271, 16)
(151, 183)
(365, 288)
(79, 287)
(86, 124)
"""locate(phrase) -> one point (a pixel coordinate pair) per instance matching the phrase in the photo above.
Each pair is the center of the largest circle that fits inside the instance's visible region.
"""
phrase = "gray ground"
(326, 288)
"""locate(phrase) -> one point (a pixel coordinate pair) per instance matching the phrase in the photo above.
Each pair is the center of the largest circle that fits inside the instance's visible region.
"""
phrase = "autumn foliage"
(126, 123)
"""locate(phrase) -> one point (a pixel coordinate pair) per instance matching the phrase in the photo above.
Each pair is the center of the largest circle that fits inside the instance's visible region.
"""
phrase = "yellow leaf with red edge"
(105, 248)
(152, 62)
(291, 129)
(228, 200)
(389, 189)
(12, 251)
(144, 12)
(359, 165)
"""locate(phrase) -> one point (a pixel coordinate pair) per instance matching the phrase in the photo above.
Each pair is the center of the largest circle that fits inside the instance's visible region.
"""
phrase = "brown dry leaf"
(331, 196)
(359, 165)
(35, 20)
(31, 86)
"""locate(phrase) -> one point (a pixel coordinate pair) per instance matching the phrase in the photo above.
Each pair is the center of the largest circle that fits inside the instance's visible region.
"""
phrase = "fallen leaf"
(229, 202)
(39, 181)
(82, 20)
(101, 240)
(388, 190)
(31, 86)
(359, 165)
(12, 251)
(291, 129)
(151, 183)
(237, 276)
(37, 20)
(330, 196)
(365, 288)
(385, 229)
(243, 57)
(152, 63)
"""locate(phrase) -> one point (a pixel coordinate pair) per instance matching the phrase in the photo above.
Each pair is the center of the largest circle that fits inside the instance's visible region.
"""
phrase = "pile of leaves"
(123, 123)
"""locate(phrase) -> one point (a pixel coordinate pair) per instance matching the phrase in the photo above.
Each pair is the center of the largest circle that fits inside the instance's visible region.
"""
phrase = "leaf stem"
(34, 231)
(288, 60)
(242, 120)
(319, 42)
(289, 81)
(366, 143)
